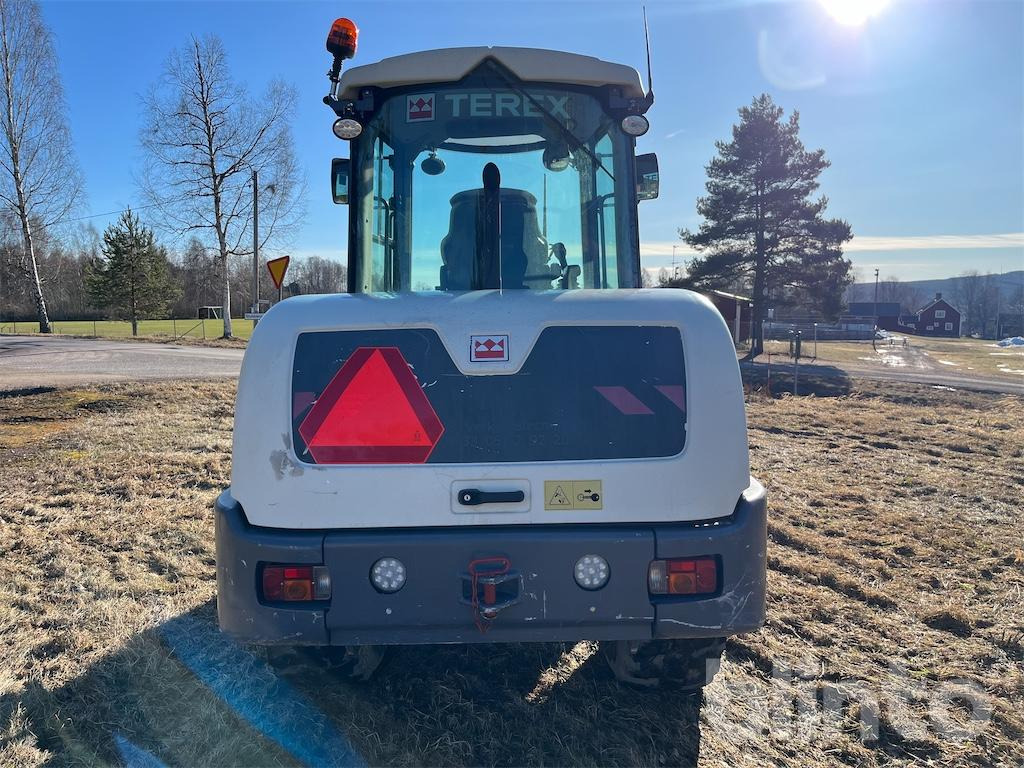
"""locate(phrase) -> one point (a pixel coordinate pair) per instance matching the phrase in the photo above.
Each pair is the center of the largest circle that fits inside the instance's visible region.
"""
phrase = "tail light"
(296, 583)
(683, 576)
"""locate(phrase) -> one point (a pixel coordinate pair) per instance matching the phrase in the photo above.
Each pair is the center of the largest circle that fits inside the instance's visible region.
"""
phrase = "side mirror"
(340, 168)
(647, 180)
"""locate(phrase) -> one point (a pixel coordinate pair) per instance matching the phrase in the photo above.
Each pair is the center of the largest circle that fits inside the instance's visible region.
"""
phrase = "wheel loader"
(496, 435)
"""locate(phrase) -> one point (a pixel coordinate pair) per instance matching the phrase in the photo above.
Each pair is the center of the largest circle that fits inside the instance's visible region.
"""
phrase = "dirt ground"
(894, 635)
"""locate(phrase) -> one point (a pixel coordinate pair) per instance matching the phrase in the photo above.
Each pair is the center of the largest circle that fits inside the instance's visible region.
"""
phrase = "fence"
(847, 329)
(188, 328)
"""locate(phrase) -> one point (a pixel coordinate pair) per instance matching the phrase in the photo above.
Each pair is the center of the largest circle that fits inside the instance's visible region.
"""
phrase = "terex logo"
(506, 105)
(419, 107)
(488, 348)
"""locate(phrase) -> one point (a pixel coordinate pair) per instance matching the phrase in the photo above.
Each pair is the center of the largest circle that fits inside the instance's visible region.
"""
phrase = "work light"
(591, 572)
(388, 575)
(347, 128)
(635, 125)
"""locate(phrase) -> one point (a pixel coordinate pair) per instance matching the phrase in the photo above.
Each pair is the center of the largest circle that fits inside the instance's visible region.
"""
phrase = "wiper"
(572, 139)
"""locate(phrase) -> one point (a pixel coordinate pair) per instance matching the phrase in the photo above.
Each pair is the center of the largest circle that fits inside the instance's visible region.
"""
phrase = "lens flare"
(853, 13)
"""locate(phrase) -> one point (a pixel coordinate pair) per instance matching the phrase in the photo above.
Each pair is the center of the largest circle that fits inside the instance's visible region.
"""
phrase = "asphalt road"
(35, 361)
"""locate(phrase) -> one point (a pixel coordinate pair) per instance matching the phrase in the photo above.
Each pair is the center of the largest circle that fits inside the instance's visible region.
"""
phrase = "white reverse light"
(388, 575)
(347, 128)
(591, 572)
(635, 125)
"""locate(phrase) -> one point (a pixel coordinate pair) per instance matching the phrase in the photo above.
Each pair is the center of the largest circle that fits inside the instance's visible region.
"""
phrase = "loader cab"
(465, 175)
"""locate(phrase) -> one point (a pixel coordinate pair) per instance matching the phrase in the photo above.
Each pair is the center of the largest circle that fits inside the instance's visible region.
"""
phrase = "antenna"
(650, 78)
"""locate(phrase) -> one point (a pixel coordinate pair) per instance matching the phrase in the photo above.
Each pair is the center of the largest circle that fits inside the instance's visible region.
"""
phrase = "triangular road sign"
(277, 268)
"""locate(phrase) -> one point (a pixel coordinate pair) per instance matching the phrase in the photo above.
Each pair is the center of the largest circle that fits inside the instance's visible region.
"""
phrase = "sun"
(853, 13)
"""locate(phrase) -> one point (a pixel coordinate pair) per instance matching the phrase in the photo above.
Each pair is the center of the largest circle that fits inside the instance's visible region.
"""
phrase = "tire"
(682, 665)
(357, 663)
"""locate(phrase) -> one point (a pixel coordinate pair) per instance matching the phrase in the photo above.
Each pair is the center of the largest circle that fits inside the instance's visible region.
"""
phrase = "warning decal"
(557, 498)
(573, 494)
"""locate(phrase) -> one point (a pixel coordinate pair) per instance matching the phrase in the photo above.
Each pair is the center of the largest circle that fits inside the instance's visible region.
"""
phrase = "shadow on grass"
(812, 379)
(26, 392)
(182, 694)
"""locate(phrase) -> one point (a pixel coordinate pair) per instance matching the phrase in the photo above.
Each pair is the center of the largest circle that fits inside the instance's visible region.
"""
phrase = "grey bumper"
(549, 606)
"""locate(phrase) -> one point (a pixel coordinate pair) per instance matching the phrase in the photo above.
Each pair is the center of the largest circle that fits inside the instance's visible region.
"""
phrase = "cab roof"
(447, 65)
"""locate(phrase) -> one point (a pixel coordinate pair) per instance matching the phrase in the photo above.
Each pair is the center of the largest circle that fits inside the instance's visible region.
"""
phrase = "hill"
(915, 293)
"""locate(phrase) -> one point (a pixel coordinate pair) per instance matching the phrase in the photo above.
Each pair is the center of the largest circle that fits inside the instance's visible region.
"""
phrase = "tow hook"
(489, 586)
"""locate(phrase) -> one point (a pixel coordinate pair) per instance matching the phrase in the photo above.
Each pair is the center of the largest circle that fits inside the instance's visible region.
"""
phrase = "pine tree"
(132, 276)
(761, 230)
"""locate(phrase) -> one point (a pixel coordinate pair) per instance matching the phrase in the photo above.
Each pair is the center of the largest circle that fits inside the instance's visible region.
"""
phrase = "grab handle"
(472, 497)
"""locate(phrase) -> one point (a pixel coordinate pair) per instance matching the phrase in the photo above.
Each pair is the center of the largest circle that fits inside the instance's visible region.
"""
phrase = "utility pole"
(874, 330)
(256, 245)
(675, 272)
(876, 299)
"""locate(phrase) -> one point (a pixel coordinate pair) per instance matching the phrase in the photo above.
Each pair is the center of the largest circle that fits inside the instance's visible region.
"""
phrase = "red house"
(737, 311)
(939, 318)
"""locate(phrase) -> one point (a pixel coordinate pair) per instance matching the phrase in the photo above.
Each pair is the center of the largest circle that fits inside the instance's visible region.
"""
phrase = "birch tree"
(39, 178)
(203, 136)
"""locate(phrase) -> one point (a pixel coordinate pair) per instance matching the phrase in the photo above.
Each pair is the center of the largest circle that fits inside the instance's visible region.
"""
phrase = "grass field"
(896, 577)
(119, 329)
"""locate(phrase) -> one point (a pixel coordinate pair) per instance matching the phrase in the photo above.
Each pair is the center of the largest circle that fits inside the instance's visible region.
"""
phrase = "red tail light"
(683, 576)
(296, 583)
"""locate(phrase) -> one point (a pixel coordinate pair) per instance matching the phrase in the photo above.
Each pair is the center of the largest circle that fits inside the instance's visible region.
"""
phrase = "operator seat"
(524, 254)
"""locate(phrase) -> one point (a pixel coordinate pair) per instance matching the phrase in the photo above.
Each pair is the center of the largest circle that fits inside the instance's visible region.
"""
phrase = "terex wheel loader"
(496, 435)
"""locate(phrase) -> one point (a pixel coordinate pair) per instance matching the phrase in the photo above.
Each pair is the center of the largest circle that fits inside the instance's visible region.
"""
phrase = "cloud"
(933, 242)
(657, 251)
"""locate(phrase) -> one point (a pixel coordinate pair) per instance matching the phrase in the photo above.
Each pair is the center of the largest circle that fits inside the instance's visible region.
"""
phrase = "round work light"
(635, 125)
(591, 572)
(388, 575)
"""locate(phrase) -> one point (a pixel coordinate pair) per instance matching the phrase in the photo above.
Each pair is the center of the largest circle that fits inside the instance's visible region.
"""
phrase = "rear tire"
(682, 665)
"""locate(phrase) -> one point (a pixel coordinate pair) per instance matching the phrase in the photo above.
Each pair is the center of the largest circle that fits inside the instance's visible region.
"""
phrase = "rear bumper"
(550, 606)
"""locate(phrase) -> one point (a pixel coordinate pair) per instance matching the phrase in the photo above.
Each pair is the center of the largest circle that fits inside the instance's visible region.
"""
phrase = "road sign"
(277, 269)
(372, 412)
(254, 315)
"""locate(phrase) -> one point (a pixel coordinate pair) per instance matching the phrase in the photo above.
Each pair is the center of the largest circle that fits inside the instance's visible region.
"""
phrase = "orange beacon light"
(341, 43)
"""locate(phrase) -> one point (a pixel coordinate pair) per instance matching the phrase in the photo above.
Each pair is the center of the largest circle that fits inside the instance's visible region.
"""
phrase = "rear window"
(584, 393)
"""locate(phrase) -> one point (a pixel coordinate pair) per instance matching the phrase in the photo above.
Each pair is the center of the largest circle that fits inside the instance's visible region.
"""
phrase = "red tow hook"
(487, 572)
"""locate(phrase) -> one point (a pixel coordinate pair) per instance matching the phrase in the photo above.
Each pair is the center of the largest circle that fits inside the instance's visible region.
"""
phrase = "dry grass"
(895, 544)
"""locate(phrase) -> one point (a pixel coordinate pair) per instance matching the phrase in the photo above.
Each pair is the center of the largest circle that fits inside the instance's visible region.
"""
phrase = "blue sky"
(920, 109)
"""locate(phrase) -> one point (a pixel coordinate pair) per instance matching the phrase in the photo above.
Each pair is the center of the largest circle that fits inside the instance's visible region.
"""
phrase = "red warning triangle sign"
(372, 412)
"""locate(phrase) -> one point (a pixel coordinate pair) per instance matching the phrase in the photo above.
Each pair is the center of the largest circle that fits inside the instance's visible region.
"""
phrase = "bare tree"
(40, 182)
(315, 274)
(204, 137)
(977, 297)
(893, 290)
